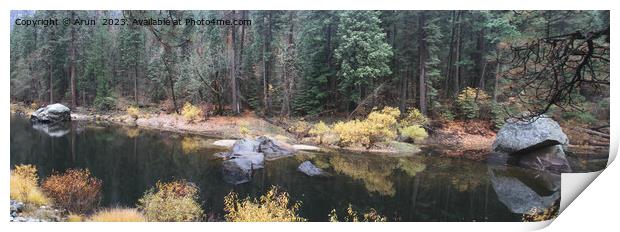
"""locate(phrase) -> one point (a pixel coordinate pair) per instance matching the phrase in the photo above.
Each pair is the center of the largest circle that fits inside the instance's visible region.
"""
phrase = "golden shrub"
(378, 126)
(414, 132)
(319, 130)
(414, 117)
(175, 201)
(244, 129)
(352, 216)
(118, 215)
(133, 111)
(191, 113)
(352, 132)
(75, 190)
(271, 207)
(24, 185)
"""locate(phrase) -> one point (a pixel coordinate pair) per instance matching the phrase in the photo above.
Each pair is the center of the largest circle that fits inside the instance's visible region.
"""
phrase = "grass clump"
(191, 113)
(175, 201)
(75, 190)
(24, 185)
(74, 218)
(352, 215)
(274, 206)
(118, 215)
(133, 112)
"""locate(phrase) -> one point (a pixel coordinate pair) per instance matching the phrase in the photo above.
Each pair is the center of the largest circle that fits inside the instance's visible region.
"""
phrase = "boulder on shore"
(309, 169)
(51, 114)
(518, 136)
(538, 143)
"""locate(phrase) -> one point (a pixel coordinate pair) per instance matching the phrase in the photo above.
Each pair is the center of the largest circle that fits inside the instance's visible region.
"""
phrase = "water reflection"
(130, 161)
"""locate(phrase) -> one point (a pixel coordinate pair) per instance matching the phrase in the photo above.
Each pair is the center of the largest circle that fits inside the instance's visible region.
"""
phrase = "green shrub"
(191, 113)
(104, 103)
(352, 216)
(271, 207)
(74, 190)
(175, 201)
(415, 132)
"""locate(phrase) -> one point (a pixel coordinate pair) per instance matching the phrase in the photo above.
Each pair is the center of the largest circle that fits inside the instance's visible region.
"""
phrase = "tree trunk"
(72, 66)
(422, 51)
(51, 83)
(450, 56)
(233, 69)
(457, 56)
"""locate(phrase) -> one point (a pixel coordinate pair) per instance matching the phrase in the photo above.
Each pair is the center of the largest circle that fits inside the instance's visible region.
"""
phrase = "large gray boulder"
(518, 136)
(309, 169)
(51, 114)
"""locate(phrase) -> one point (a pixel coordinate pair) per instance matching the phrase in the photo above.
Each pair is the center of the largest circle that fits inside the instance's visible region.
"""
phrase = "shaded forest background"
(320, 63)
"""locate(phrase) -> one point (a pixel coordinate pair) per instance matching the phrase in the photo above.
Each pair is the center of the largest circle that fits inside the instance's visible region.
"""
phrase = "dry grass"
(118, 215)
(24, 186)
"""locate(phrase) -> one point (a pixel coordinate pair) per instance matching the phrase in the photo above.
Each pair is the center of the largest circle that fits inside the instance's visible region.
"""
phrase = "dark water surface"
(129, 161)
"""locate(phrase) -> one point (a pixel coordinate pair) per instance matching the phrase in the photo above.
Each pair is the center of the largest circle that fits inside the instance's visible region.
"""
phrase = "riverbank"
(471, 139)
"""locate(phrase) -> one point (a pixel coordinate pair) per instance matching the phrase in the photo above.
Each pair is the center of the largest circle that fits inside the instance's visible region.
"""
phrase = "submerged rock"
(51, 114)
(309, 169)
(525, 136)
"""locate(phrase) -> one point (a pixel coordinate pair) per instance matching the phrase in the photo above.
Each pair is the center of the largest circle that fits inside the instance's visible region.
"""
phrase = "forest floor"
(471, 139)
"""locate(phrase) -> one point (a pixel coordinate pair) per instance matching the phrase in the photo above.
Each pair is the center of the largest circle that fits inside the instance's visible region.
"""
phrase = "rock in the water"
(309, 169)
(550, 158)
(245, 145)
(256, 159)
(237, 171)
(519, 137)
(274, 149)
(52, 113)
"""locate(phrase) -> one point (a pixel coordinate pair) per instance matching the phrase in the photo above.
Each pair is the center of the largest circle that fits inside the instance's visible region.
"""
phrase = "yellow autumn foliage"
(191, 113)
(24, 186)
(274, 206)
